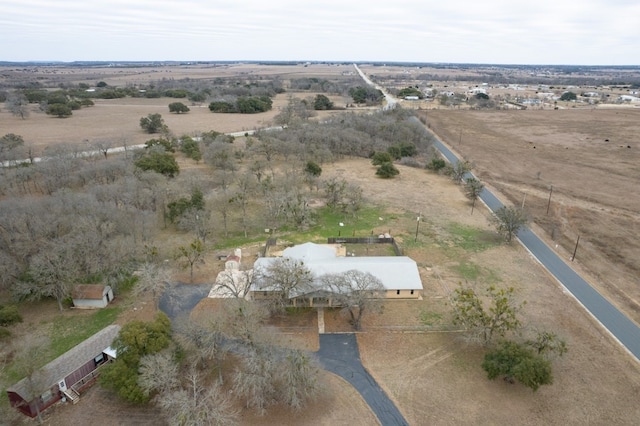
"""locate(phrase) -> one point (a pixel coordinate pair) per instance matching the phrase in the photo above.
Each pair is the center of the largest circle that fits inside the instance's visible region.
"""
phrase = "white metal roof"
(395, 272)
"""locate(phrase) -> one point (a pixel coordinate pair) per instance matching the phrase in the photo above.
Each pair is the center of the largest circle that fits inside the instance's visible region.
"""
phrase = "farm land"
(431, 373)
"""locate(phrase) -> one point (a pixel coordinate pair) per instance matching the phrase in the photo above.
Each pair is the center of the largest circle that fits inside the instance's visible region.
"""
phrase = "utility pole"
(417, 227)
(575, 249)
(549, 203)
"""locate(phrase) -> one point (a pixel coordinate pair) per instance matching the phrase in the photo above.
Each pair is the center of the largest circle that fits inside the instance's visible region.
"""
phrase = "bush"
(9, 315)
(380, 158)
(313, 169)
(436, 164)
(4, 333)
(159, 162)
(153, 123)
(387, 170)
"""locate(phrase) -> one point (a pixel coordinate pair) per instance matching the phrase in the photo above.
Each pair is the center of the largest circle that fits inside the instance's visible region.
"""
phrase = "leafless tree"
(158, 372)
(256, 377)
(152, 279)
(198, 221)
(52, 273)
(31, 356)
(197, 404)
(103, 146)
(286, 277)
(204, 340)
(242, 196)
(18, 105)
(222, 204)
(191, 255)
(357, 292)
(299, 379)
(236, 282)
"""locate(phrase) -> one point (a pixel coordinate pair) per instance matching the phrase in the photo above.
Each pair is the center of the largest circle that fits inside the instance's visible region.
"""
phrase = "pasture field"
(590, 157)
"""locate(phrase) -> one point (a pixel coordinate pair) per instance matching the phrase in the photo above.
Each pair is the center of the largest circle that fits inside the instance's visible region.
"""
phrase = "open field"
(590, 157)
(121, 75)
(118, 121)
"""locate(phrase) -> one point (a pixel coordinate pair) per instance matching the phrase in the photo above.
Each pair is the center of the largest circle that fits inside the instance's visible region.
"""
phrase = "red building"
(66, 376)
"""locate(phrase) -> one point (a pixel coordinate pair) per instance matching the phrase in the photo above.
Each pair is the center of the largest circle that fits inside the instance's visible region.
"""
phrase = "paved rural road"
(619, 325)
(339, 354)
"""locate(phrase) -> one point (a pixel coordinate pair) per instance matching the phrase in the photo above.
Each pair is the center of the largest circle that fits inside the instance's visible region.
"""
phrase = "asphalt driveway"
(339, 354)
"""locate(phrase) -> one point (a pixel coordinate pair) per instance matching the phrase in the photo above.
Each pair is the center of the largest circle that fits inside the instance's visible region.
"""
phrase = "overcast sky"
(591, 32)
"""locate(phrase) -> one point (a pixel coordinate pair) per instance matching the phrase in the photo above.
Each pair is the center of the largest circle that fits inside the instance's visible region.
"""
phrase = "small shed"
(91, 296)
(65, 376)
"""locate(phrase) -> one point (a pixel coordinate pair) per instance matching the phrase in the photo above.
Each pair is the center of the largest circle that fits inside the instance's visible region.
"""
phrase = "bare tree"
(236, 282)
(18, 105)
(299, 379)
(158, 372)
(204, 340)
(286, 277)
(198, 221)
(152, 279)
(255, 379)
(508, 221)
(31, 355)
(197, 404)
(357, 292)
(191, 255)
(103, 146)
(222, 204)
(52, 273)
(242, 196)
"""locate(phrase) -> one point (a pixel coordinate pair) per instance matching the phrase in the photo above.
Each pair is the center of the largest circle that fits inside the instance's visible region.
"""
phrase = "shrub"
(4, 333)
(436, 164)
(387, 170)
(380, 158)
(9, 315)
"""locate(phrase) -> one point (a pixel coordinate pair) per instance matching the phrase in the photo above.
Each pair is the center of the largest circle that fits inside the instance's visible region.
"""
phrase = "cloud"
(496, 31)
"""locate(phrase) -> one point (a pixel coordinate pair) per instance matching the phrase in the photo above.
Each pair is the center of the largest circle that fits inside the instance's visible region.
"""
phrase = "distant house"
(65, 376)
(628, 98)
(91, 296)
(399, 274)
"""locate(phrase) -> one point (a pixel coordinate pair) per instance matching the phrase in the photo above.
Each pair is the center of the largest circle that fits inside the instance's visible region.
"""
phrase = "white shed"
(91, 296)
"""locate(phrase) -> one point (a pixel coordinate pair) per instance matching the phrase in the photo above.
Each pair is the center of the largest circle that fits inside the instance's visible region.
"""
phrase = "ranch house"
(399, 274)
(66, 376)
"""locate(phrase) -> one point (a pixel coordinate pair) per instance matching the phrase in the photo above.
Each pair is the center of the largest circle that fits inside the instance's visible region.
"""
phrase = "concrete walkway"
(339, 354)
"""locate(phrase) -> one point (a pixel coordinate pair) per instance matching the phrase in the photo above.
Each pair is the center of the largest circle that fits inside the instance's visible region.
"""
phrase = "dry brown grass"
(590, 157)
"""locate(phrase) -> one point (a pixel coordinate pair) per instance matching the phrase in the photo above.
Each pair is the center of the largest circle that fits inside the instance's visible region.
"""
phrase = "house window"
(45, 397)
(397, 291)
(411, 291)
(99, 359)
